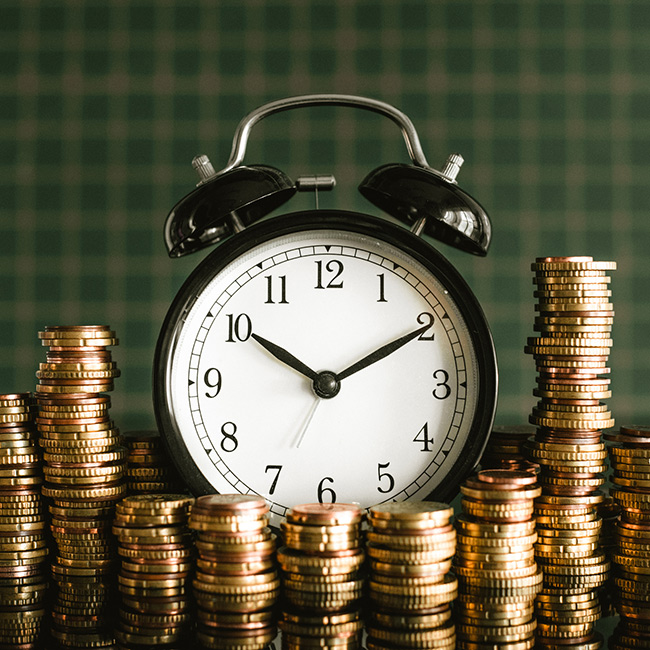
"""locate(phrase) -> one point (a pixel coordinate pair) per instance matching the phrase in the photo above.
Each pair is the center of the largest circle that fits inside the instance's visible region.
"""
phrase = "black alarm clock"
(325, 355)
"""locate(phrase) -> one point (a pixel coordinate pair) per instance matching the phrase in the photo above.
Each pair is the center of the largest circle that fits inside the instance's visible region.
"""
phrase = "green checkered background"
(104, 104)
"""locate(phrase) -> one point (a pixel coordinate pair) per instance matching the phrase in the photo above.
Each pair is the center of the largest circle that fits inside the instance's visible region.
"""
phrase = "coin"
(325, 513)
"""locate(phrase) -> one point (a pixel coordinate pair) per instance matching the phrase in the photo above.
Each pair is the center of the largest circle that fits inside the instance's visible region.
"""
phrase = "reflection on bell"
(417, 194)
(224, 204)
(462, 220)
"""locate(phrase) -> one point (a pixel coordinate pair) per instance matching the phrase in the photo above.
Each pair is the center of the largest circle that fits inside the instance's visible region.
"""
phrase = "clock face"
(276, 374)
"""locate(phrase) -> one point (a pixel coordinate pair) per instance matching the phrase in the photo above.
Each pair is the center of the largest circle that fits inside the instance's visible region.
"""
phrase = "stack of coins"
(155, 548)
(575, 320)
(630, 460)
(23, 545)
(148, 468)
(505, 449)
(497, 575)
(410, 546)
(84, 468)
(322, 575)
(236, 586)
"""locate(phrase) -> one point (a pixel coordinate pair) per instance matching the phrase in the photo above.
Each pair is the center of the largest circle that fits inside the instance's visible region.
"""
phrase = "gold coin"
(548, 454)
(316, 530)
(422, 542)
(235, 526)
(494, 634)
(566, 423)
(497, 529)
(155, 503)
(448, 586)
(150, 520)
(482, 559)
(75, 388)
(585, 290)
(485, 573)
(571, 279)
(486, 494)
(295, 562)
(118, 454)
(502, 583)
(77, 374)
(263, 578)
(413, 573)
(75, 331)
(237, 590)
(393, 556)
(572, 411)
(497, 544)
(571, 341)
(418, 638)
(434, 513)
(108, 470)
(571, 264)
(323, 631)
(325, 513)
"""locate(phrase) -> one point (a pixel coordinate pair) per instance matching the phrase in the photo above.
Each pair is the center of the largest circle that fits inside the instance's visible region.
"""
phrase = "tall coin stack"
(410, 546)
(155, 548)
(571, 352)
(497, 575)
(322, 576)
(148, 468)
(630, 461)
(23, 545)
(84, 468)
(236, 586)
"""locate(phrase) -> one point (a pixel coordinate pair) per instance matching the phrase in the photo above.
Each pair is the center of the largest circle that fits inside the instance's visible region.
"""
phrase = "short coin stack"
(630, 460)
(84, 469)
(148, 468)
(236, 585)
(322, 577)
(155, 548)
(23, 545)
(497, 574)
(505, 448)
(575, 320)
(410, 546)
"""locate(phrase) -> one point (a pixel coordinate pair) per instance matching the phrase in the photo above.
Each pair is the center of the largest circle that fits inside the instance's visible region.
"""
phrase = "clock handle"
(240, 139)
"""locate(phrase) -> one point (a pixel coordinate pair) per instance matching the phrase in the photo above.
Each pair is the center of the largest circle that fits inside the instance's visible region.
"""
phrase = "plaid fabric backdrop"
(104, 104)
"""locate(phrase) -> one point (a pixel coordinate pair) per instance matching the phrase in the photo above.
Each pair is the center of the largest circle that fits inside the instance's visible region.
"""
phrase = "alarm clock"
(325, 355)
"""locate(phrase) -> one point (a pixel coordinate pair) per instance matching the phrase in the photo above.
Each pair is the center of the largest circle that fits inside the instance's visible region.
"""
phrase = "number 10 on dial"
(325, 360)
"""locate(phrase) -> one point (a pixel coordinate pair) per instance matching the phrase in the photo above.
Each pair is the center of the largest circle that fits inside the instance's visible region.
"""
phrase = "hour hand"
(286, 357)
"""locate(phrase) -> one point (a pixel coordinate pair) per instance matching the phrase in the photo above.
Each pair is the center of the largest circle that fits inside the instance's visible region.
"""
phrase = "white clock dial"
(264, 386)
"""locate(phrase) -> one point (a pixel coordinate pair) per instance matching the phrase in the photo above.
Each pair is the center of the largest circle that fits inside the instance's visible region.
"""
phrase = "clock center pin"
(327, 384)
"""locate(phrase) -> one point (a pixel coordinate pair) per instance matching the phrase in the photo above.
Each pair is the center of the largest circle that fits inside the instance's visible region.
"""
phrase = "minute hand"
(381, 353)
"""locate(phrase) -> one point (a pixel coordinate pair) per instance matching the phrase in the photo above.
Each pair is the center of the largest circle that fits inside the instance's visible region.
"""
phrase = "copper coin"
(510, 477)
(230, 504)
(325, 513)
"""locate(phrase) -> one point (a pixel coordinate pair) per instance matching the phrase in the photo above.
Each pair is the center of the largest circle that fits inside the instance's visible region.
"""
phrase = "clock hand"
(381, 353)
(286, 357)
(307, 422)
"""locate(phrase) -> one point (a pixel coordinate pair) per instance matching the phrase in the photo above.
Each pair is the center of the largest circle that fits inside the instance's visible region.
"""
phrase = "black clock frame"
(362, 224)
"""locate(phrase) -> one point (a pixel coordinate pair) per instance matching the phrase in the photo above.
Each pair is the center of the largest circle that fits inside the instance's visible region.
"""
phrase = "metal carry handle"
(240, 139)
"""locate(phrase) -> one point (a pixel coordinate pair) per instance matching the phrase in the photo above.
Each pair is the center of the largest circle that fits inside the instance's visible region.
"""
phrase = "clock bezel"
(334, 220)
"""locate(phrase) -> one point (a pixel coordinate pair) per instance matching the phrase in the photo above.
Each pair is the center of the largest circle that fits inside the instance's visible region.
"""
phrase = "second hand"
(307, 421)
